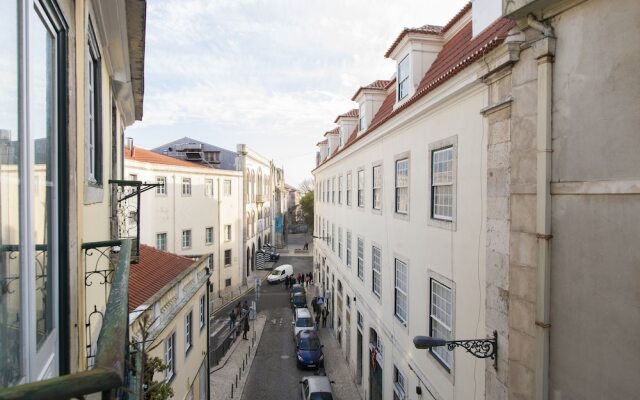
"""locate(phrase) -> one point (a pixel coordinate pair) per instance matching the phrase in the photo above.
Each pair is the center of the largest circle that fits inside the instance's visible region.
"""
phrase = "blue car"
(309, 350)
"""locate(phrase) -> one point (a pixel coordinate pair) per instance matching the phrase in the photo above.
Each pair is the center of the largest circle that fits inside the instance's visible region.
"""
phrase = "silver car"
(316, 387)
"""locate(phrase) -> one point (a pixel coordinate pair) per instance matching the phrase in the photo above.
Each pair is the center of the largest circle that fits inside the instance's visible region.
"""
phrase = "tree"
(150, 389)
(306, 186)
(306, 205)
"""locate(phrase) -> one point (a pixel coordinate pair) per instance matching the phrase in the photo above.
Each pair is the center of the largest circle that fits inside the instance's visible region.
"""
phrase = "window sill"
(186, 353)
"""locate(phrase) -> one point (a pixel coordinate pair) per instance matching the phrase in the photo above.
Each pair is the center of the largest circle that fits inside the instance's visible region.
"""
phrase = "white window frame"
(170, 356)
(442, 354)
(333, 236)
(208, 235)
(162, 189)
(186, 186)
(349, 188)
(188, 331)
(164, 236)
(349, 254)
(203, 311)
(442, 178)
(208, 187)
(360, 249)
(339, 189)
(187, 239)
(360, 191)
(376, 270)
(401, 186)
(362, 117)
(402, 81)
(227, 187)
(94, 104)
(226, 264)
(340, 242)
(401, 291)
(227, 233)
(376, 187)
(333, 190)
(399, 384)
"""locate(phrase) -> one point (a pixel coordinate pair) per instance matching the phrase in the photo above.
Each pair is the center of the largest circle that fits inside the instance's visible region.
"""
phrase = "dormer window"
(362, 120)
(403, 78)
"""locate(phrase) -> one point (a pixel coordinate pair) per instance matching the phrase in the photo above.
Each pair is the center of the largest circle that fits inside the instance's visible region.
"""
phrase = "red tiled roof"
(333, 131)
(428, 29)
(380, 84)
(349, 114)
(326, 141)
(154, 271)
(457, 17)
(456, 54)
(148, 156)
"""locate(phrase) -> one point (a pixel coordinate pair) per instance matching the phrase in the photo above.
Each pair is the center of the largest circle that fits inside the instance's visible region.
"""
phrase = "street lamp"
(481, 348)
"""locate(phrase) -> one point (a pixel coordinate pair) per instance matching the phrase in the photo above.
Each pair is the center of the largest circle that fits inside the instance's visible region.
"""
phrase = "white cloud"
(274, 73)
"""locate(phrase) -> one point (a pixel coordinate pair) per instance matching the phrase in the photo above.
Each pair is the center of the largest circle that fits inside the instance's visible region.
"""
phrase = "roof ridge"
(457, 17)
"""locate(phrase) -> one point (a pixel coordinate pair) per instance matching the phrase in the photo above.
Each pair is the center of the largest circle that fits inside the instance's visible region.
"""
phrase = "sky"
(272, 74)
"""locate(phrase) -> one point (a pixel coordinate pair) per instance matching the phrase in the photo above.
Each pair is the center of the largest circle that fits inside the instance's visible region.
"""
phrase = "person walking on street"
(232, 319)
(245, 327)
(286, 282)
(325, 314)
(317, 321)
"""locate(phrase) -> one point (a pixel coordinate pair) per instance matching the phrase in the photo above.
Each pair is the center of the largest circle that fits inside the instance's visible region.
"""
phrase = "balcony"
(106, 266)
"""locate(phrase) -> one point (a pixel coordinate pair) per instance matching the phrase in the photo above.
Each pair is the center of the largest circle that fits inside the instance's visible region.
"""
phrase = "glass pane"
(42, 126)
(10, 340)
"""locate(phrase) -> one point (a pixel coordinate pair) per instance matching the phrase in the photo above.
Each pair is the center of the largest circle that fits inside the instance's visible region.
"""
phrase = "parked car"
(302, 320)
(296, 288)
(298, 300)
(273, 256)
(316, 388)
(309, 350)
(279, 273)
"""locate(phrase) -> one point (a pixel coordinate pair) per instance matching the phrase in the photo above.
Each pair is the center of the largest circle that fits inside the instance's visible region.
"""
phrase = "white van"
(302, 321)
(279, 273)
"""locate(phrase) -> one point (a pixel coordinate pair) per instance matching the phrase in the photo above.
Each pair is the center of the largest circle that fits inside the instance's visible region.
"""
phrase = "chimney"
(132, 150)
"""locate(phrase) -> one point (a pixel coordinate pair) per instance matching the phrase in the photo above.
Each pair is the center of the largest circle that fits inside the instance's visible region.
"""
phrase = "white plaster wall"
(457, 255)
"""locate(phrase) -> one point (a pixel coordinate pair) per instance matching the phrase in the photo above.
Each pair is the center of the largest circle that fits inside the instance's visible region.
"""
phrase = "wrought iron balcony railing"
(110, 372)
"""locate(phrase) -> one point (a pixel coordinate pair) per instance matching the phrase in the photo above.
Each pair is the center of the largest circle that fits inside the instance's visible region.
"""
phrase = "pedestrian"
(310, 278)
(317, 321)
(232, 319)
(306, 246)
(245, 307)
(286, 282)
(299, 278)
(325, 314)
(314, 304)
(245, 328)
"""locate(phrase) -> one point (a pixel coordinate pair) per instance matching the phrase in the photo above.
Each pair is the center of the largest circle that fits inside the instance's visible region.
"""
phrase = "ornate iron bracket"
(481, 348)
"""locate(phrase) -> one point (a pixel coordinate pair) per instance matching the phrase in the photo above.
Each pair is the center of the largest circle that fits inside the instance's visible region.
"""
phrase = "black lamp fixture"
(481, 348)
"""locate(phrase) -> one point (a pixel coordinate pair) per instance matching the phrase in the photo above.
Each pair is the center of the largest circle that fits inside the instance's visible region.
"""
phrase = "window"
(362, 114)
(227, 233)
(227, 187)
(361, 258)
(441, 319)
(170, 356)
(361, 188)
(209, 262)
(349, 189)
(399, 384)
(208, 187)
(376, 260)
(340, 242)
(186, 186)
(403, 78)
(227, 282)
(360, 320)
(162, 189)
(348, 248)
(377, 187)
(333, 190)
(161, 241)
(208, 235)
(402, 186)
(188, 337)
(203, 311)
(333, 236)
(186, 238)
(340, 189)
(401, 285)
(442, 184)
(94, 105)
(227, 257)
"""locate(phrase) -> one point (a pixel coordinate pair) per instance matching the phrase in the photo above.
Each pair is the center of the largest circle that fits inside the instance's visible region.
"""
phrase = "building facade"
(73, 75)
(400, 198)
(168, 308)
(168, 221)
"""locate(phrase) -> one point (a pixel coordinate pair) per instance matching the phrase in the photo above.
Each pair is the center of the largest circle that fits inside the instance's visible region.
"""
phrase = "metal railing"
(217, 353)
(109, 375)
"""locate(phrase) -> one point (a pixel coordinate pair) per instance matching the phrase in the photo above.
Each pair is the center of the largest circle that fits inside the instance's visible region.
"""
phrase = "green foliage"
(155, 390)
(306, 204)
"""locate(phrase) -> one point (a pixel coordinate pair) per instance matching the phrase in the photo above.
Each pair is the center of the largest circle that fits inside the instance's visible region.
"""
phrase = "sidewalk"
(229, 377)
(335, 363)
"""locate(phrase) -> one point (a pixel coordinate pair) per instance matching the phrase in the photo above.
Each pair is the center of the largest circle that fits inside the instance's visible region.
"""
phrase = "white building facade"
(400, 211)
(195, 211)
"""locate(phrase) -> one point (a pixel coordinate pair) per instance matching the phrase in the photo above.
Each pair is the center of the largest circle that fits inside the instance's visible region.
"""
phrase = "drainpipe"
(544, 51)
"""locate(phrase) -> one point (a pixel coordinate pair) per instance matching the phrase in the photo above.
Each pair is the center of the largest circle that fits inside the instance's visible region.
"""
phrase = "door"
(359, 359)
(347, 339)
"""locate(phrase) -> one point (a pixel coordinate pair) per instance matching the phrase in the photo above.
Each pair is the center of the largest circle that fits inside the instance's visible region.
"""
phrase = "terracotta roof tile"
(380, 84)
(154, 271)
(456, 54)
(323, 142)
(148, 156)
(457, 17)
(333, 131)
(426, 29)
